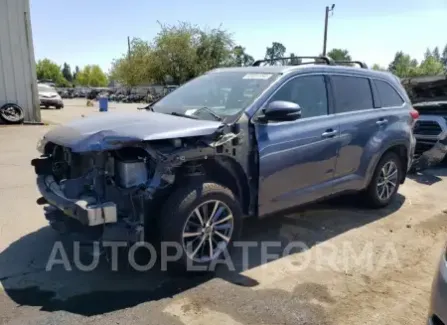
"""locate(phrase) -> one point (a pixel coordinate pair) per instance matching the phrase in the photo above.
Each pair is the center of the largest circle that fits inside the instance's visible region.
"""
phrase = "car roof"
(309, 68)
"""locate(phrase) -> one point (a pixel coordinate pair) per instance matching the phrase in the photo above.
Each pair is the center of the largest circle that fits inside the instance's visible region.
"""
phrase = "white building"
(18, 82)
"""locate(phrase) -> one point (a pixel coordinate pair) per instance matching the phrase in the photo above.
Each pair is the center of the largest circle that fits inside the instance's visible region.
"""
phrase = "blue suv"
(234, 142)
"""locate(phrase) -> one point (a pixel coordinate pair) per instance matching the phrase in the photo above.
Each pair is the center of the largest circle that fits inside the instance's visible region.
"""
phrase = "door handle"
(329, 133)
(382, 122)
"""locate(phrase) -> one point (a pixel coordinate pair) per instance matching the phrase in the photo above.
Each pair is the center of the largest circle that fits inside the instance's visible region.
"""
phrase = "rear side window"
(307, 91)
(389, 97)
(351, 93)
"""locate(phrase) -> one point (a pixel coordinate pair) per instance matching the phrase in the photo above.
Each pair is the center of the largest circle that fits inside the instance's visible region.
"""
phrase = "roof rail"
(318, 59)
(360, 63)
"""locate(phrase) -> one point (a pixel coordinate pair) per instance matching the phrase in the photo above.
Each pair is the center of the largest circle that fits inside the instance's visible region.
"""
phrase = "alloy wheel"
(387, 182)
(207, 231)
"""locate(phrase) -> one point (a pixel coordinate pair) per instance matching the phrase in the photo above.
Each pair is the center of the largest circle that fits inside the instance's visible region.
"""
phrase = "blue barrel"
(103, 104)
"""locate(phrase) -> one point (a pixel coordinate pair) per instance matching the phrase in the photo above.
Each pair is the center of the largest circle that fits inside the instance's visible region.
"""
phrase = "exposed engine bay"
(115, 187)
(429, 98)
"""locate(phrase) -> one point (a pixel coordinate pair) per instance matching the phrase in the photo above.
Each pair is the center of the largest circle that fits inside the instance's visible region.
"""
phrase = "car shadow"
(429, 176)
(26, 281)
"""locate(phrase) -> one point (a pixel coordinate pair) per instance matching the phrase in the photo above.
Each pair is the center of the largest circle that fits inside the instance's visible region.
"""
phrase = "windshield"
(43, 88)
(224, 93)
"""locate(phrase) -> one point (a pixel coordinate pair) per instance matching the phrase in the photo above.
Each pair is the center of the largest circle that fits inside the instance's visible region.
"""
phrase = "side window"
(351, 93)
(308, 91)
(388, 95)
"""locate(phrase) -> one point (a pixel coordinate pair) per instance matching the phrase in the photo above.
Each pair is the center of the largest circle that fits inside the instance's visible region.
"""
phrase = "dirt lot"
(362, 266)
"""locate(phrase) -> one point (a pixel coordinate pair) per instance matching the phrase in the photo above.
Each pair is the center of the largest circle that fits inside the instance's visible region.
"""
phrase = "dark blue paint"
(298, 165)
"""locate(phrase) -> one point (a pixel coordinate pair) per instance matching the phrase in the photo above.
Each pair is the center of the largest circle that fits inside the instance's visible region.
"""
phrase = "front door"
(297, 158)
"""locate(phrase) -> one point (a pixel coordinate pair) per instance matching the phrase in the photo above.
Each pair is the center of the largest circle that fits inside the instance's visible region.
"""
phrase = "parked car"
(49, 97)
(438, 304)
(429, 97)
(191, 168)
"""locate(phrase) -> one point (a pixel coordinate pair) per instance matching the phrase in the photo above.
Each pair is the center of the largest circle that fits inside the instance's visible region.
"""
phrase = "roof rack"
(318, 59)
(360, 63)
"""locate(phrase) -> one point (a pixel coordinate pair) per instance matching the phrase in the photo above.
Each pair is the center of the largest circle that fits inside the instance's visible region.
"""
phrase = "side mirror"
(281, 111)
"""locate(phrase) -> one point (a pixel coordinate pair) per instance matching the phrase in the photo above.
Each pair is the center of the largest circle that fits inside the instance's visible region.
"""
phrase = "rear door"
(361, 125)
(297, 158)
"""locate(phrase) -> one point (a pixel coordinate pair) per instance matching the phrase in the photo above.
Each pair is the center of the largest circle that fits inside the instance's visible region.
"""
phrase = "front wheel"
(385, 181)
(203, 220)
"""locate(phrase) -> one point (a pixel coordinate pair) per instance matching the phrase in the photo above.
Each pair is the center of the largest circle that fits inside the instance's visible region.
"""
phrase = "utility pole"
(128, 47)
(326, 18)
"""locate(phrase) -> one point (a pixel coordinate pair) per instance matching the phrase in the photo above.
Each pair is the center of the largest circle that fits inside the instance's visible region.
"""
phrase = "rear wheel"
(204, 219)
(385, 181)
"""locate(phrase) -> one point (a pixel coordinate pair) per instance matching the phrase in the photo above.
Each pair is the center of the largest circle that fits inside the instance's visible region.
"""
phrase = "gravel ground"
(362, 266)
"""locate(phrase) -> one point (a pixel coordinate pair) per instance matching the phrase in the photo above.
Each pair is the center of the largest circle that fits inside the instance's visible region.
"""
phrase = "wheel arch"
(223, 170)
(401, 150)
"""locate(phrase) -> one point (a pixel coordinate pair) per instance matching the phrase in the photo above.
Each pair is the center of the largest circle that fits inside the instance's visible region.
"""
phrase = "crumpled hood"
(108, 131)
(426, 89)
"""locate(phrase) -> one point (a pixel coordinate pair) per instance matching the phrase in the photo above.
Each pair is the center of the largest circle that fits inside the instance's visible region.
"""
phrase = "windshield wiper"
(184, 115)
(209, 110)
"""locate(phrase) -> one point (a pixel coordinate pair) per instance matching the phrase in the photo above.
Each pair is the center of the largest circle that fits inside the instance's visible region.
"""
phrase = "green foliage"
(276, 51)
(339, 55)
(92, 76)
(132, 68)
(404, 66)
(378, 67)
(63, 83)
(239, 58)
(184, 51)
(66, 72)
(75, 73)
(48, 70)
(177, 54)
(431, 66)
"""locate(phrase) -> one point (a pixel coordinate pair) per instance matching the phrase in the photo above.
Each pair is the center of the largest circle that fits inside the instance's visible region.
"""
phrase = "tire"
(178, 217)
(372, 194)
(60, 107)
(12, 113)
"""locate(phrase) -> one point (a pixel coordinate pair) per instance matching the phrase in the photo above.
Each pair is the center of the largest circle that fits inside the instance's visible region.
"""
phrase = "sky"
(82, 32)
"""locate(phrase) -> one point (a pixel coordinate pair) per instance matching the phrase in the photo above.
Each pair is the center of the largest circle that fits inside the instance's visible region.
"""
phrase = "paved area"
(77, 108)
(362, 266)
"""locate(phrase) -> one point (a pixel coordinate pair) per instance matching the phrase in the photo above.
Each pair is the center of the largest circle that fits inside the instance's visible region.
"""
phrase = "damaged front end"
(429, 97)
(110, 193)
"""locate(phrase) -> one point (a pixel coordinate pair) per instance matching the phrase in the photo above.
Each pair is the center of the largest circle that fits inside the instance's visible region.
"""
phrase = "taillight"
(414, 114)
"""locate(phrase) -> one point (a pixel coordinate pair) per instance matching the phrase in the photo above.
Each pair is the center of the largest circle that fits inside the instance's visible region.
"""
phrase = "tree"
(294, 60)
(427, 54)
(431, 67)
(48, 70)
(132, 68)
(339, 55)
(240, 58)
(76, 72)
(66, 72)
(378, 67)
(185, 51)
(404, 66)
(436, 53)
(276, 51)
(174, 54)
(444, 57)
(92, 76)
